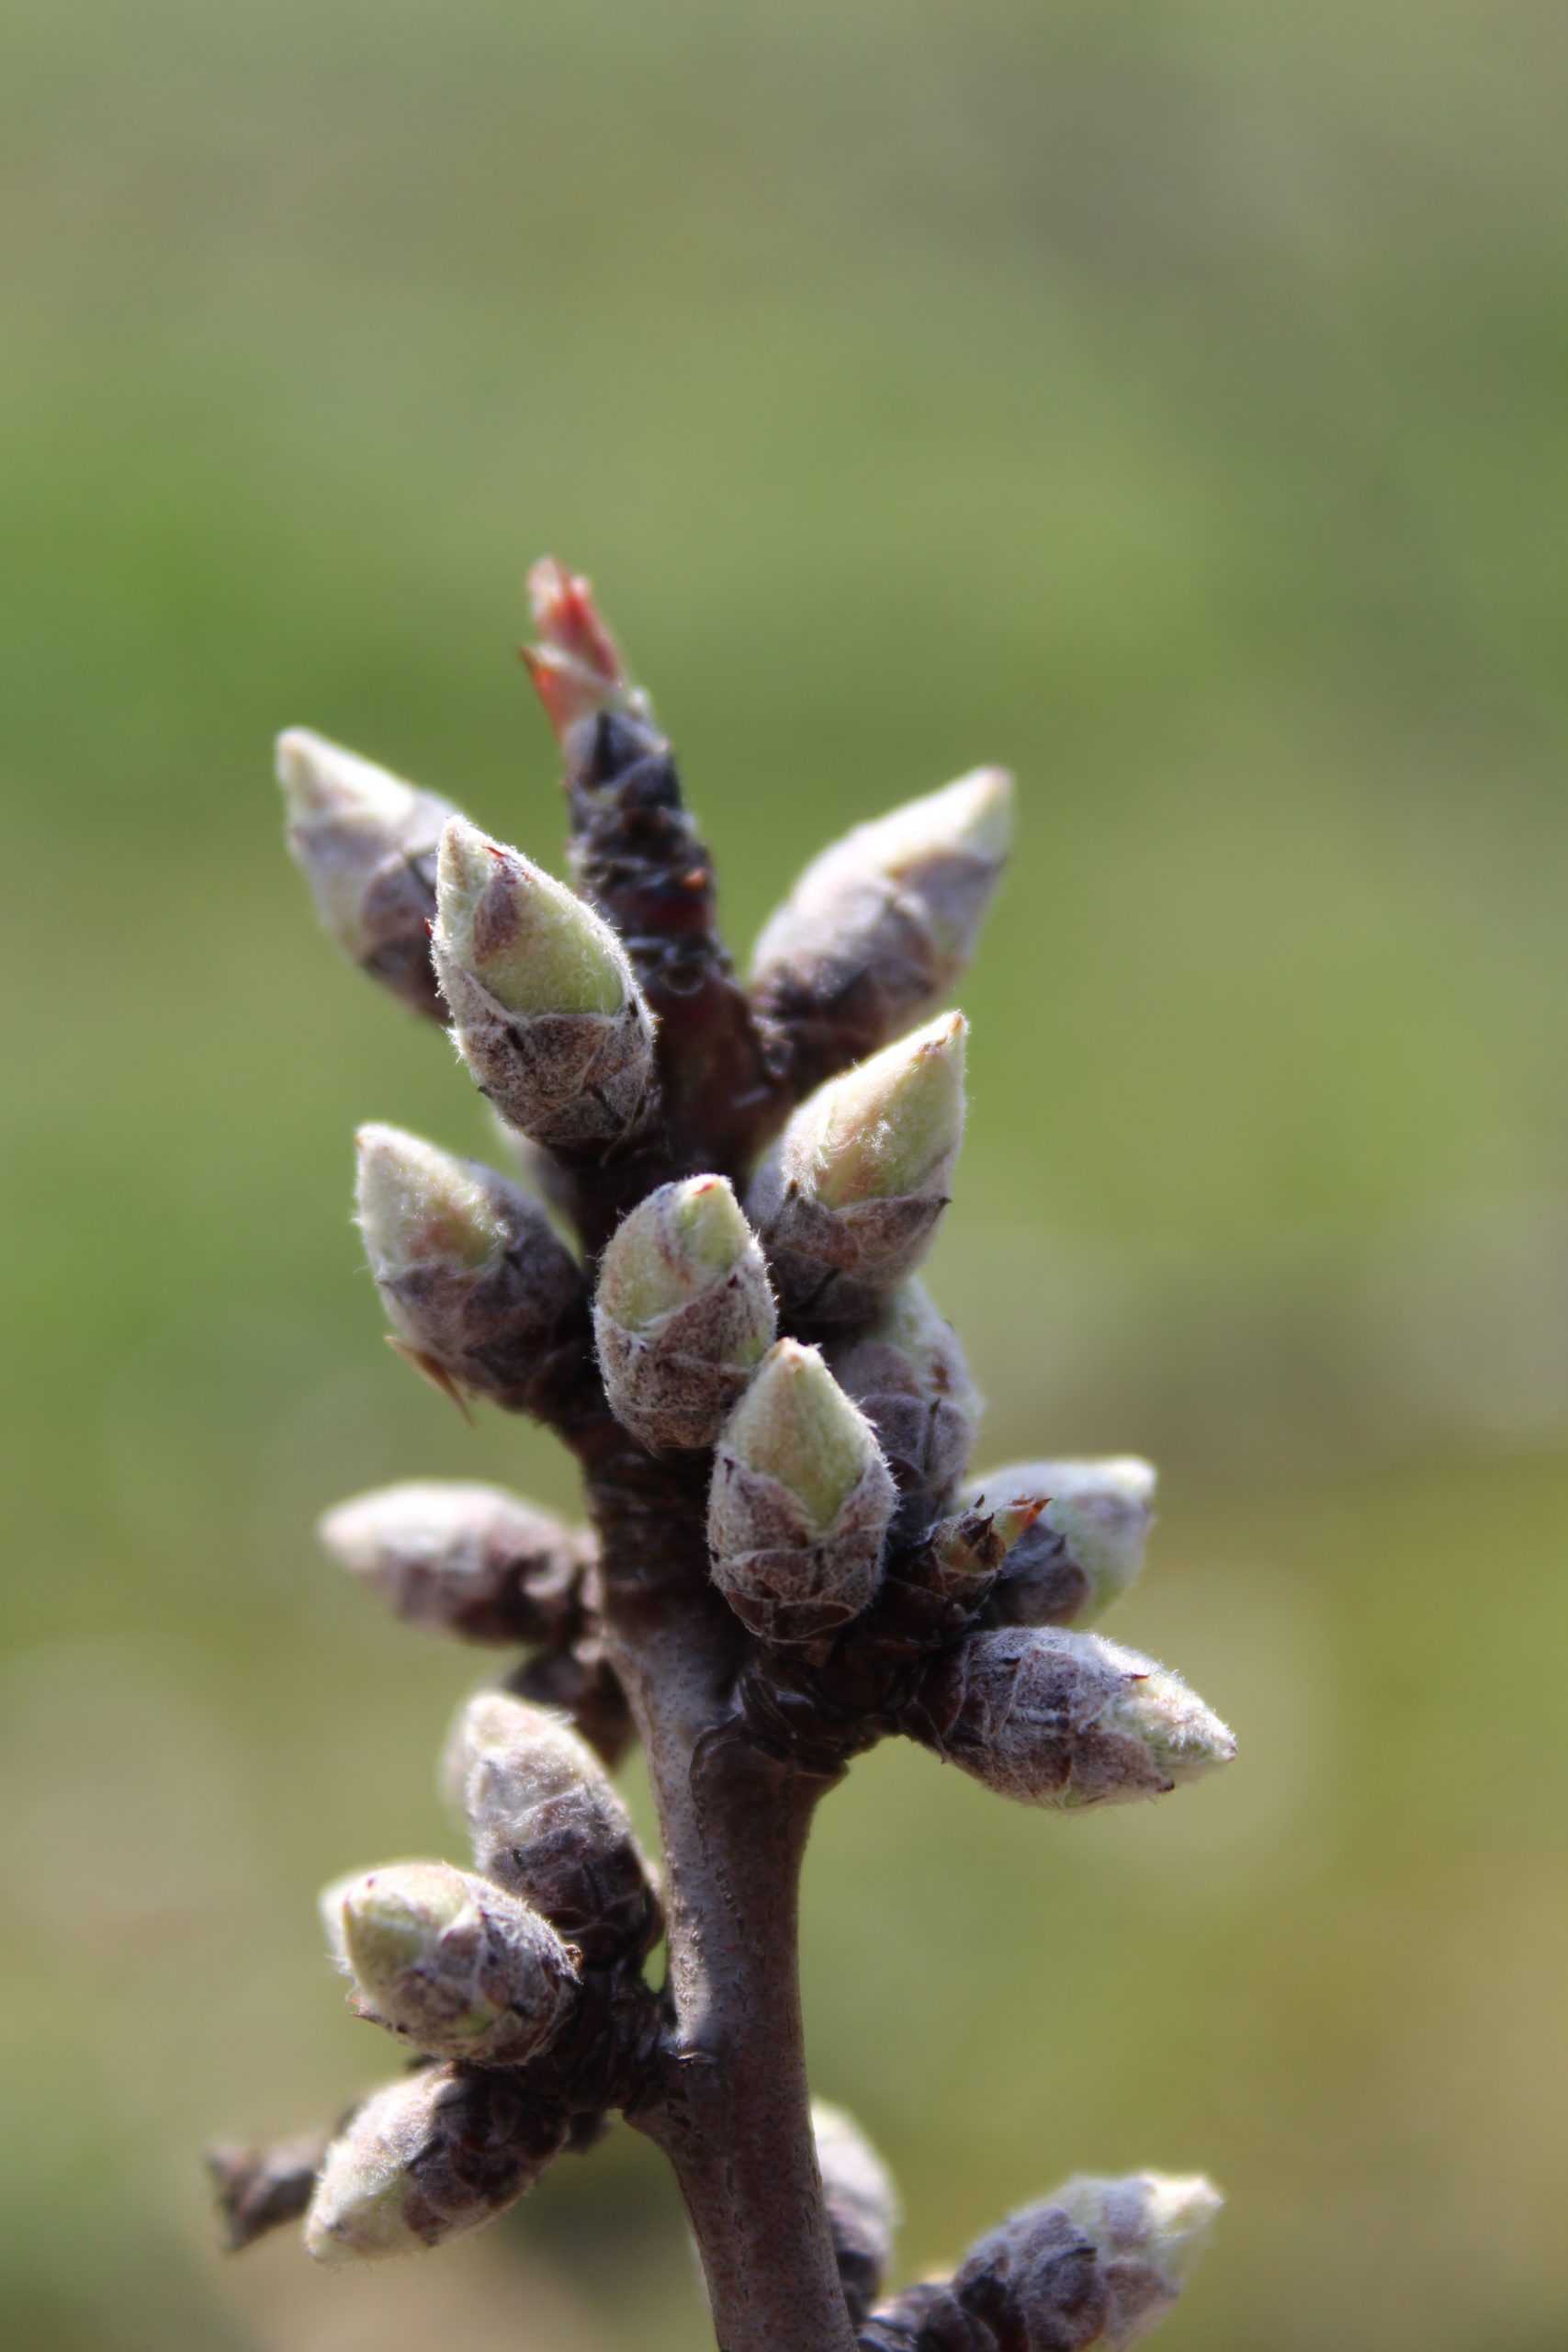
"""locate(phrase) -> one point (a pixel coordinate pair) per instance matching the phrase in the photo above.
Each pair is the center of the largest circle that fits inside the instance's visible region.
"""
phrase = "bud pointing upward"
(881, 925)
(545, 1008)
(474, 1282)
(1087, 1546)
(800, 1502)
(683, 1314)
(848, 1203)
(576, 668)
(366, 842)
(907, 1371)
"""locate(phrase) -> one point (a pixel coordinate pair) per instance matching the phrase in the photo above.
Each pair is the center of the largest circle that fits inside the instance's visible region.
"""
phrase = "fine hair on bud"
(546, 1010)
(800, 1502)
(1066, 1720)
(1035, 2284)
(1086, 1547)
(1147, 2231)
(862, 2203)
(455, 1965)
(847, 1202)
(476, 1286)
(907, 1374)
(423, 2160)
(546, 1823)
(456, 1558)
(881, 925)
(366, 842)
(683, 1313)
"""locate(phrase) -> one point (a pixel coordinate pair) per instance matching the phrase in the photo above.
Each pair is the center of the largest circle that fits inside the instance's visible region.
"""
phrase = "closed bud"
(1066, 1720)
(366, 842)
(576, 667)
(458, 1967)
(545, 1008)
(1086, 1547)
(861, 2201)
(847, 1202)
(800, 1502)
(461, 1558)
(478, 1288)
(907, 1371)
(1034, 2285)
(425, 2159)
(683, 1313)
(880, 926)
(1147, 2232)
(547, 1823)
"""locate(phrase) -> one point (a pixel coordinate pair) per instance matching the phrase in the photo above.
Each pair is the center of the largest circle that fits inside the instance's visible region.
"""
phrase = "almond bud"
(461, 1558)
(428, 2157)
(907, 1372)
(880, 926)
(456, 1966)
(800, 1502)
(847, 1202)
(548, 1824)
(474, 1282)
(1147, 2232)
(1035, 2284)
(366, 842)
(683, 1313)
(1066, 1720)
(862, 2203)
(1086, 1547)
(545, 1008)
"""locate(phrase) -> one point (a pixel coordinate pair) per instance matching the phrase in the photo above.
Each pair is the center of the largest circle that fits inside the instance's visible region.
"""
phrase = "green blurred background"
(1168, 399)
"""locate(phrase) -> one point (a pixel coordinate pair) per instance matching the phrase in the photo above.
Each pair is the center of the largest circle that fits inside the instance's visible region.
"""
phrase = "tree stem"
(730, 2108)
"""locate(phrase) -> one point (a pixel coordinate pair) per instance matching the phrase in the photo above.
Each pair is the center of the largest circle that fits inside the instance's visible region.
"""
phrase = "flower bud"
(880, 927)
(548, 1825)
(1034, 2284)
(366, 842)
(576, 668)
(847, 1202)
(428, 2157)
(907, 1372)
(862, 2203)
(461, 1558)
(683, 1313)
(475, 1284)
(1066, 1720)
(800, 1502)
(1086, 1547)
(1147, 2232)
(459, 1968)
(545, 1008)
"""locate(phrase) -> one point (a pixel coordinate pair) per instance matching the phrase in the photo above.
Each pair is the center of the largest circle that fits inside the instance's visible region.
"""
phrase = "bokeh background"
(1168, 399)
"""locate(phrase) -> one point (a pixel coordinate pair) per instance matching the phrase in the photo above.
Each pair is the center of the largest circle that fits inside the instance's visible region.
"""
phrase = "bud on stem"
(1087, 1546)
(576, 667)
(1064, 1719)
(907, 1371)
(545, 1008)
(882, 925)
(800, 1502)
(425, 2159)
(683, 1313)
(475, 1284)
(456, 1966)
(461, 1558)
(548, 1825)
(1147, 2232)
(847, 1203)
(366, 843)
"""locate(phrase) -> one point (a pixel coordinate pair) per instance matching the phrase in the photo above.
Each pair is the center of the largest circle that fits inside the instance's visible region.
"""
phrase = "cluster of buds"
(789, 1556)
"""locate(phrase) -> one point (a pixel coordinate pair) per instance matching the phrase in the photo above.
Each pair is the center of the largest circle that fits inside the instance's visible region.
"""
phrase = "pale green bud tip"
(528, 940)
(1160, 2218)
(971, 818)
(321, 781)
(392, 1919)
(1182, 1738)
(417, 1204)
(674, 1245)
(796, 1425)
(890, 1126)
